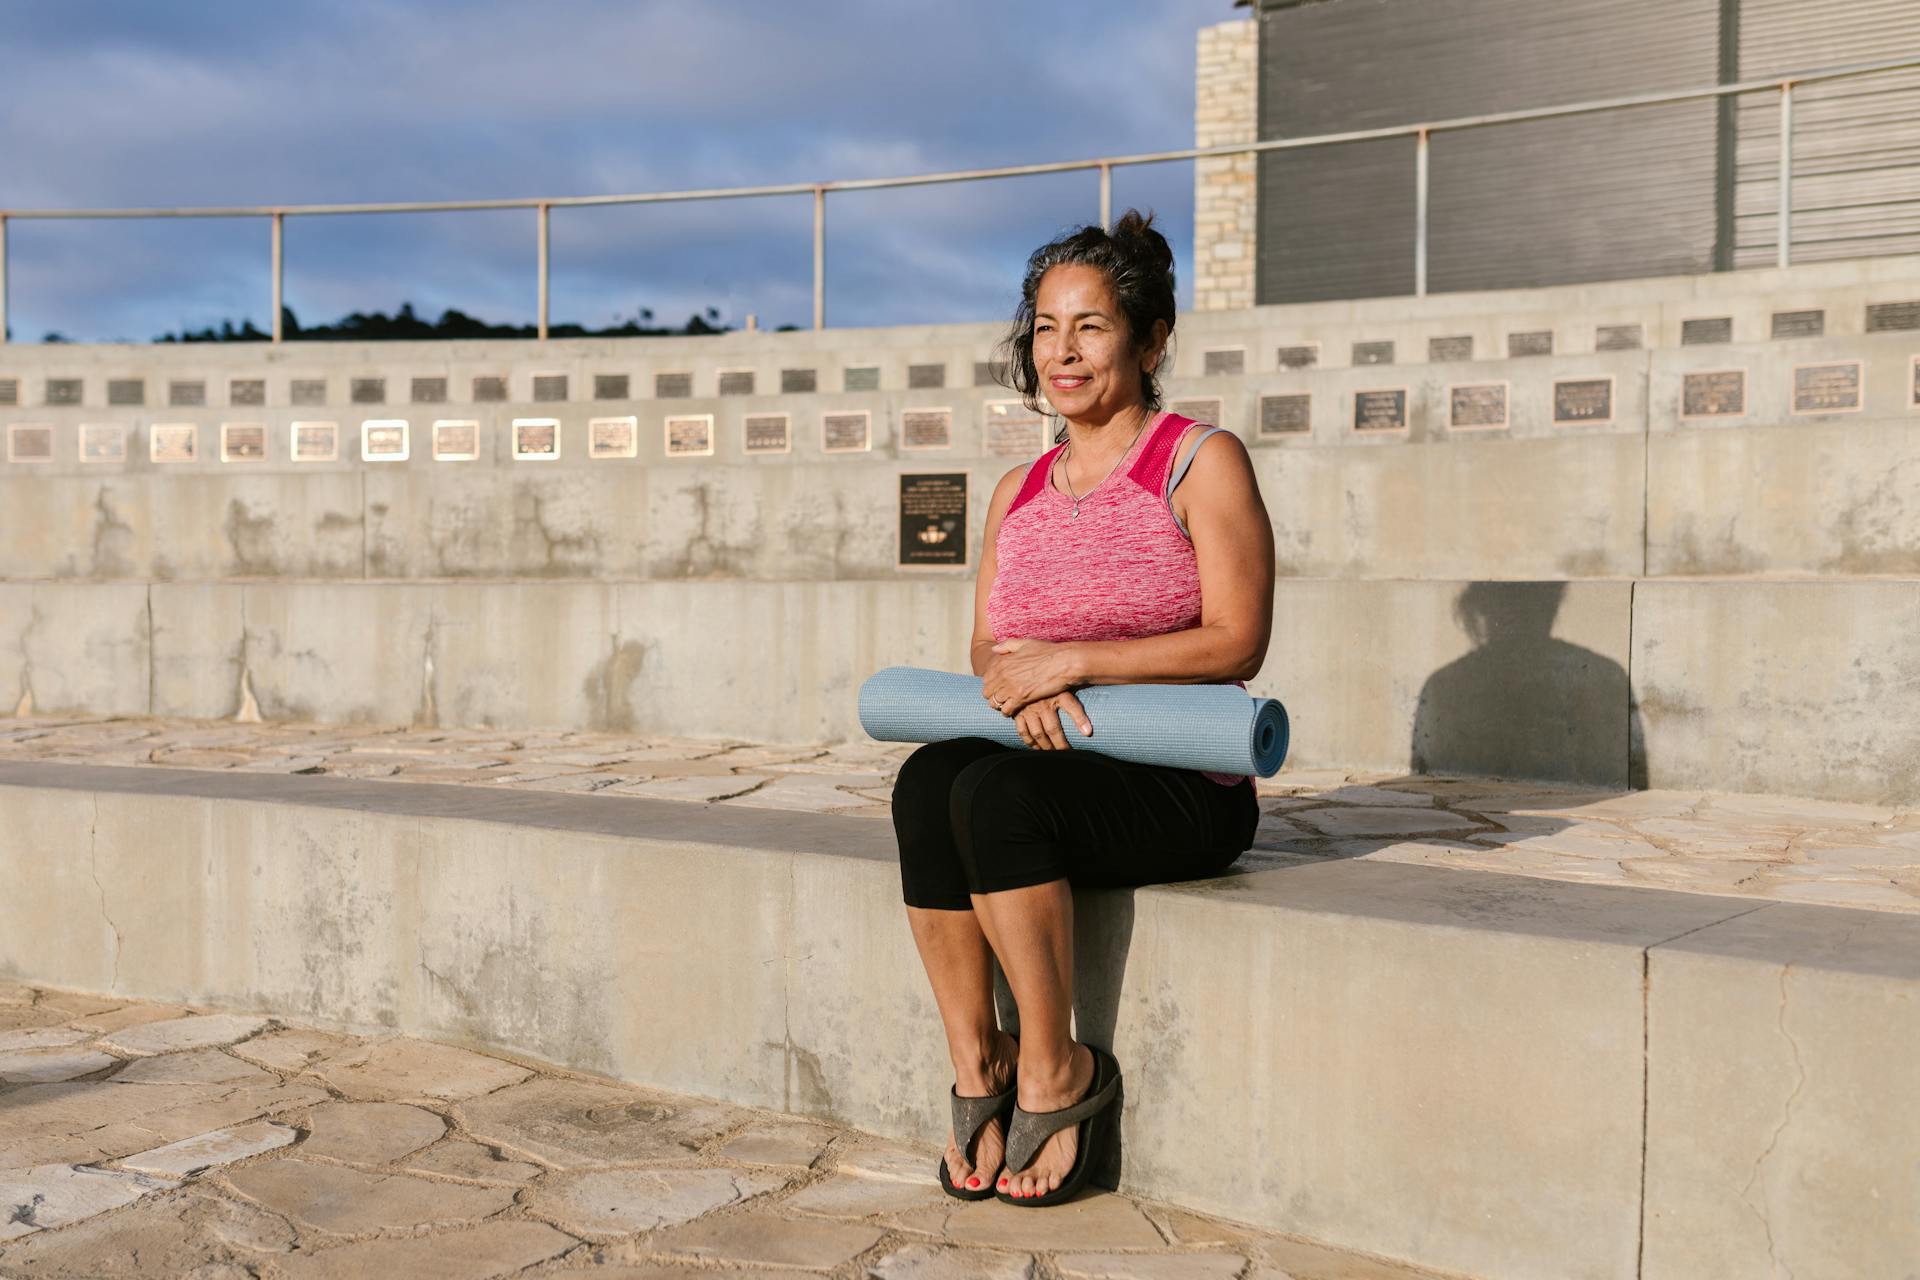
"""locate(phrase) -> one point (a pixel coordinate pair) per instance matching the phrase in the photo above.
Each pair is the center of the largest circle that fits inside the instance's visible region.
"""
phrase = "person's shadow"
(1523, 704)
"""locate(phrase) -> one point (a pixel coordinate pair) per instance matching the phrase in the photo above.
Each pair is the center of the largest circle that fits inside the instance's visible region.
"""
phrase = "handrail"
(1104, 165)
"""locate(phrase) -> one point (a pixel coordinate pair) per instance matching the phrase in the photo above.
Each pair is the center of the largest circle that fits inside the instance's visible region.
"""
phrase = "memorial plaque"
(1365, 353)
(127, 391)
(1225, 362)
(612, 386)
(1534, 342)
(736, 382)
(1380, 410)
(1718, 393)
(1454, 350)
(536, 439)
(768, 433)
(63, 391)
(690, 436)
(613, 437)
(864, 378)
(549, 388)
(488, 389)
(9, 391)
(1706, 332)
(1891, 317)
(29, 442)
(797, 382)
(1286, 415)
(307, 391)
(1298, 357)
(429, 390)
(103, 442)
(367, 390)
(243, 442)
(1799, 324)
(1827, 388)
(385, 440)
(672, 386)
(1013, 430)
(1582, 401)
(990, 373)
(1619, 337)
(1472, 406)
(316, 442)
(1913, 385)
(926, 429)
(187, 395)
(926, 377)
(933, 520)
(1205, 410)
(173, 442)
(247, 393)
(456, 440)
(849, 432)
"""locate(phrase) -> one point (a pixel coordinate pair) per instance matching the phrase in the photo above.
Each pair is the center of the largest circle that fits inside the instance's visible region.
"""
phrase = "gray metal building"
(1657, 190)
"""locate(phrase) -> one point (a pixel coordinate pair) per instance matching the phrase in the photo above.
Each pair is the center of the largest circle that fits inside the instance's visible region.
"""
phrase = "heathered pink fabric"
(1121, 571)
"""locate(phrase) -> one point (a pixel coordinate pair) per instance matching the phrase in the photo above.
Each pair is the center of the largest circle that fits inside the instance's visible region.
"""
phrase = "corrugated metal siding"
(1856, 146)
(1548, 202)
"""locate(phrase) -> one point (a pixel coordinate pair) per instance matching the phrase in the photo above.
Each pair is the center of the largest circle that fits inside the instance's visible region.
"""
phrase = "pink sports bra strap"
(1036, 479)
(1151, 468)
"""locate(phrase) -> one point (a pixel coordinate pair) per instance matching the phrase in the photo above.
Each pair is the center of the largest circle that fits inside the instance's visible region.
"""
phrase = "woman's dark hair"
(1138, 264)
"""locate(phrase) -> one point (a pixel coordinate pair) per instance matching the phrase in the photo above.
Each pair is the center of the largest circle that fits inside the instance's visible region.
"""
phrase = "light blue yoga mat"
(1215, 727)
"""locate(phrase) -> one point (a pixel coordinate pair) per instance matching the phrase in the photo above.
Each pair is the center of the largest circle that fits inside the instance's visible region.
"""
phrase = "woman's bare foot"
(1055, 1159)
(981, 1080)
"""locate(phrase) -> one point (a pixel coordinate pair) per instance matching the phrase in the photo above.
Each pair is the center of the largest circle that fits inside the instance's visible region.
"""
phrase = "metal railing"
(1104, 166)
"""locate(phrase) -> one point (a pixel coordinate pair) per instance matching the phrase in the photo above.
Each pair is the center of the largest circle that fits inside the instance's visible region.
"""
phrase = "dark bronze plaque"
(1478, 404)
(613, 437)
(63, 391)
(1581, 400)
(926, 429)
(1827, 388)
(127, 391)
(1799, 324)
(1286, 415)
(1619, 337)
(926, 377)
(29, 442)
(384, 440)
(990, 373)
(316, 441)
(1207, 410)
(1450, 350)
(456, 441)
(1706, 332)
(243, 442)
(102, 442)
(690, 436)
(1721, 393)
(797, 382)
(866, 378)
(367, 390)
(1013, 430)
(429, 390)
(249, 393)
(611, 386)
(536, 439)
(308, 391)
(933, 520)
(1891, 317)
(736, 382)
(187, 395)
(846, 432)
(1914, 384)
(9, 391)
(769, 432)
(1536, 342)
(672, 386)
(1223, 363)
(1384, 410)
(489, 390)
(1373, 353)
(1302, 357)
(172, 442)
(549, 387)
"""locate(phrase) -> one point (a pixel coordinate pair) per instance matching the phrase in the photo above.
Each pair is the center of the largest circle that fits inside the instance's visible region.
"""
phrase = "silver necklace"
(1066, 476)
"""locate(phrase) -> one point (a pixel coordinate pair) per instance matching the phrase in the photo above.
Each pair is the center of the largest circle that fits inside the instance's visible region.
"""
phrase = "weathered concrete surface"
(1500, 1133)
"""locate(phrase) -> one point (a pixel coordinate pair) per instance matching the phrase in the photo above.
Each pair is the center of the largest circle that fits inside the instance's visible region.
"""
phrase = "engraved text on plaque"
(613, 437)
(1719, 393)
(1582, 400)
(768, 433)
(1382, 410)
(1471, 406)
(1827, 388)
(933, 520)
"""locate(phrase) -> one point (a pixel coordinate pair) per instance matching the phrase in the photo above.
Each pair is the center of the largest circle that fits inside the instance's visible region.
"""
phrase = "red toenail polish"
(973, 1182)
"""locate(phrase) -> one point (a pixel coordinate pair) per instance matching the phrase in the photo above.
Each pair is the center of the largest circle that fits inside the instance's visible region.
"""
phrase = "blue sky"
(166, 102)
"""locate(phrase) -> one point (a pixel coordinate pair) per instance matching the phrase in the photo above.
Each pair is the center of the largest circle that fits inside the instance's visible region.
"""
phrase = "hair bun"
(1137, 230)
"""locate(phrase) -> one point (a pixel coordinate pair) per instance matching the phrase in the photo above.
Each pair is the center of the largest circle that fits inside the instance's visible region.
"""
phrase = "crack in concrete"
(1773, 1141)
(93, 867)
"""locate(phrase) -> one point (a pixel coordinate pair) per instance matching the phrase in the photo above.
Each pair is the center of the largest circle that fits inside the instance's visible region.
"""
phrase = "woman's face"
(1082, 348)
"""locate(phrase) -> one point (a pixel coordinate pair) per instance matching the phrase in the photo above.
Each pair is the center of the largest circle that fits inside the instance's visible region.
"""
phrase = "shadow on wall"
(1523, 704)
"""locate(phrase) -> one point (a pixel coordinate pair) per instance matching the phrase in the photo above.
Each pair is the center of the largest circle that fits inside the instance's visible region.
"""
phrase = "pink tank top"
(1122, 569)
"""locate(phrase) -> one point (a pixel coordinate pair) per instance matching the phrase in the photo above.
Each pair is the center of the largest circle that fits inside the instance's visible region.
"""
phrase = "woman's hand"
(1024, 671)
(1039, 722)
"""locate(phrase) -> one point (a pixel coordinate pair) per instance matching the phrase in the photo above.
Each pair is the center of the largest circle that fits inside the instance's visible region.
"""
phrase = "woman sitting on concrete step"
(1136, 551)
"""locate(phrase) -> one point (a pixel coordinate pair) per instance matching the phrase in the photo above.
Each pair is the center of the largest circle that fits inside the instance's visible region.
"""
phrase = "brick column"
(1225, 191)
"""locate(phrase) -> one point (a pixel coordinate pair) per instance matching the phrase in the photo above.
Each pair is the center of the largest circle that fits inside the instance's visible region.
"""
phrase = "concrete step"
(1486, 1074)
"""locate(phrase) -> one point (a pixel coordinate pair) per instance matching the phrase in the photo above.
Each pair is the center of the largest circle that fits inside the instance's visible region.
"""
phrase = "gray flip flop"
(970, 1115)
(1031, 1129)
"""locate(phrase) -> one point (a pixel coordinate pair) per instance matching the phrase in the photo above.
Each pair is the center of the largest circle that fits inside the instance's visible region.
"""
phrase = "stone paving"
(1761, 847)
(155, 1141)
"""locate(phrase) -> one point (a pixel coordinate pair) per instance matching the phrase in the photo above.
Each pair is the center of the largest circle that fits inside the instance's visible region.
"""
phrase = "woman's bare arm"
(1003, 495)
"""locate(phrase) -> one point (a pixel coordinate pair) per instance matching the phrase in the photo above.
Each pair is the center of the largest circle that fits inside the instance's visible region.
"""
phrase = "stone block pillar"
(1225, 190)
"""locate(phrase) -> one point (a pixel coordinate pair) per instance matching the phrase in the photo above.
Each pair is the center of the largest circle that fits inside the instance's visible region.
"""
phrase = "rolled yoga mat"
(1215, 727)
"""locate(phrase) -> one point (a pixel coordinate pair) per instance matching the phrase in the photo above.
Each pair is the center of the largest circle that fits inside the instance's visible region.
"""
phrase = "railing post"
(279, 274)
(1106, 196)
(1421, 160)
(545, 212)
(819, 257)
(3, 278)
(1786, 173)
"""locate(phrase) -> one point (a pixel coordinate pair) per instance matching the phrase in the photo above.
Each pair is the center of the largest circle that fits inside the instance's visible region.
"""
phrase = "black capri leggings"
(973, 816)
